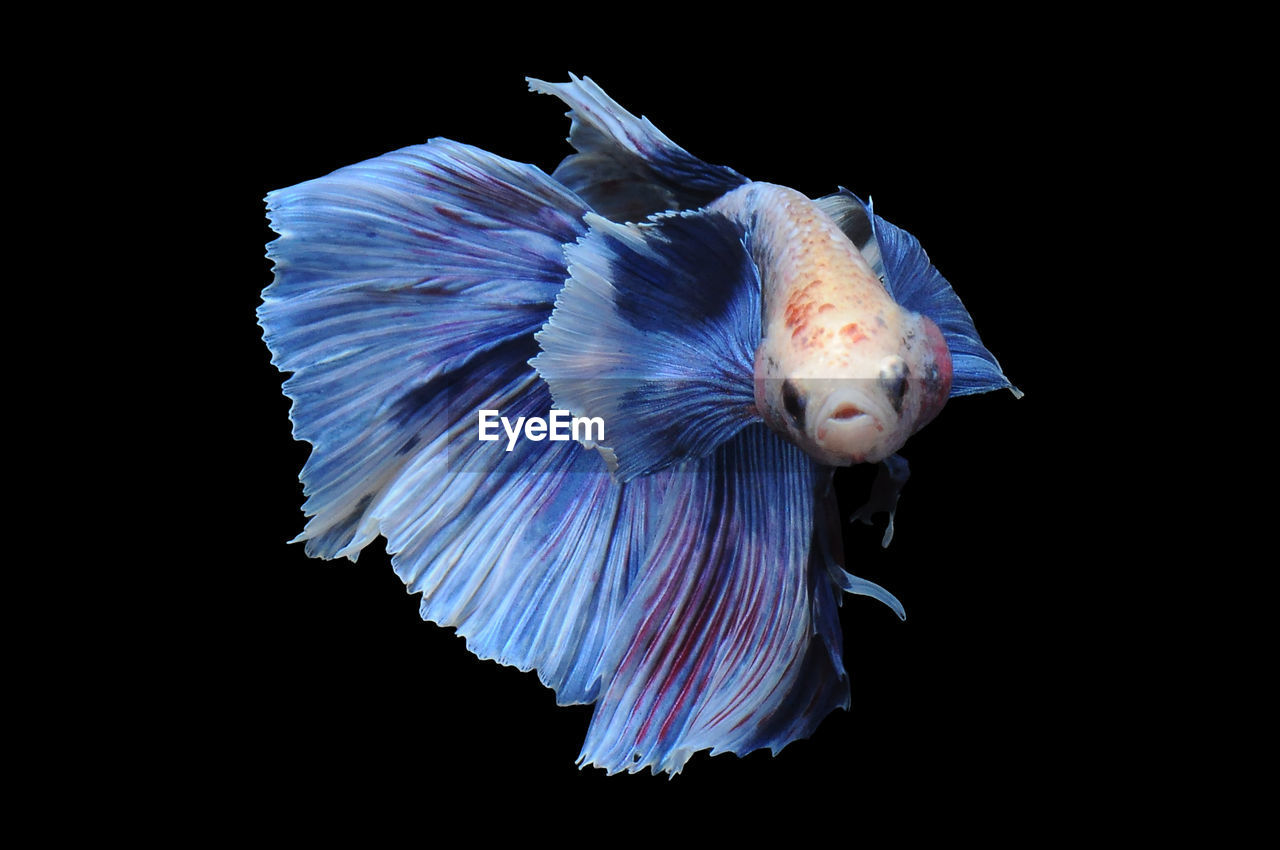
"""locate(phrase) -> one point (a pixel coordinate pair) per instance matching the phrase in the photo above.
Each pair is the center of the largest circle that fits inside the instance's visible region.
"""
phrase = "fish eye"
(893, 380)
(793, 402)
(933, 379)
(896, 388)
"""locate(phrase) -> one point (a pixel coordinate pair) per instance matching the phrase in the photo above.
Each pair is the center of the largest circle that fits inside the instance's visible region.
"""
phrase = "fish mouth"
(846, 412)
(852, 429)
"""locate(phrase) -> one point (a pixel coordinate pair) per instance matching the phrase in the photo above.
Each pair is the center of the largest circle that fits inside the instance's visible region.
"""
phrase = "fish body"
(682, 571)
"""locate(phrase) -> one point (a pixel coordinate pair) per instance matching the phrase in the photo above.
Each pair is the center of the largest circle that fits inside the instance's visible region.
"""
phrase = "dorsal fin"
(625, 167)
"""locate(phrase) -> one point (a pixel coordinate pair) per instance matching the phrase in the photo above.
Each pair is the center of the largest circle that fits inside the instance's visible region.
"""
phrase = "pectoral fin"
(655, 333)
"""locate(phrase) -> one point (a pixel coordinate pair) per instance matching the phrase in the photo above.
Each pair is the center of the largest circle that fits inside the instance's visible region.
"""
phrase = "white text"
(561, 425)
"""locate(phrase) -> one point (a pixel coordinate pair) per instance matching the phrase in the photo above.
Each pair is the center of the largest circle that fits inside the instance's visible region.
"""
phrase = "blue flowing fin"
(655, 334)
(724, 642)
(915, 284)
(389, 273)
(528, 553)
(625, 167)
(406, 295)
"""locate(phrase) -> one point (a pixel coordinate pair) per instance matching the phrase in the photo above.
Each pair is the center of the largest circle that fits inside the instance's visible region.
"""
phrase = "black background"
(320, 675)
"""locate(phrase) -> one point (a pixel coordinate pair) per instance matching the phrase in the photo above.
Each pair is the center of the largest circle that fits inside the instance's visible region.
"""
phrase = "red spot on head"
(798, 311)
(852, 333)
(936, 391)
(941, 354)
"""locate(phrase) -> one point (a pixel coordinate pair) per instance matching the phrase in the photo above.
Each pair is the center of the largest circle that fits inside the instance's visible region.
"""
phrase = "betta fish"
(680, 566)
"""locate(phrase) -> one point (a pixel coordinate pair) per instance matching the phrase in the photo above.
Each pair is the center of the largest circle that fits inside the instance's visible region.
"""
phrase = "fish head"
(856, 382)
